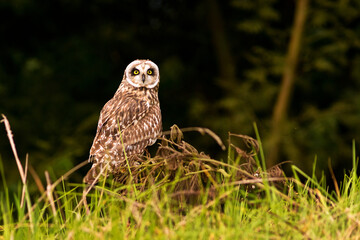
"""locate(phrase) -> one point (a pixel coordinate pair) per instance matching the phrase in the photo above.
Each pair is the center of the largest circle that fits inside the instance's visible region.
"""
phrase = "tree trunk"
(284, 97)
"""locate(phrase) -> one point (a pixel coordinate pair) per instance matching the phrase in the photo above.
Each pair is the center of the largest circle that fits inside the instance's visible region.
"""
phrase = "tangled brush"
(180, 169)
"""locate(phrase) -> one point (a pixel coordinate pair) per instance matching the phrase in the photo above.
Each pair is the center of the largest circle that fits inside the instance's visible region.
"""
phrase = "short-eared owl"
(129, 122)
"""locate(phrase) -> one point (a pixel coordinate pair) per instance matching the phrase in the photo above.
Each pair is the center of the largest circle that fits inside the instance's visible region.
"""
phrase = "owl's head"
(142, 73)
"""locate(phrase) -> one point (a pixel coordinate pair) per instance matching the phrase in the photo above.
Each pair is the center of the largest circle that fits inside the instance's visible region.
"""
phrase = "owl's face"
(142, 73)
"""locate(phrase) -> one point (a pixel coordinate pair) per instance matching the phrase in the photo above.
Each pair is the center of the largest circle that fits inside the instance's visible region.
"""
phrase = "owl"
(129, 122)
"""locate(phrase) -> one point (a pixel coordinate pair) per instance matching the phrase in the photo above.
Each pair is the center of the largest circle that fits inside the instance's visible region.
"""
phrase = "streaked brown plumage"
(129, 122)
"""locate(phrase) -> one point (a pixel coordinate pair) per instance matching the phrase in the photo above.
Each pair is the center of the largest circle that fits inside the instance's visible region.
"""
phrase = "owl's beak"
(143, 78)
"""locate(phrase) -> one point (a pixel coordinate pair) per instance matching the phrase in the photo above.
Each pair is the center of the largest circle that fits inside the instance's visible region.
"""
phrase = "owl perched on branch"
(129, 122)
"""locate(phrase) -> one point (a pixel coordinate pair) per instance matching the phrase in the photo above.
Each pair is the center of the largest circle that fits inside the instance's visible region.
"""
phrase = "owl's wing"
(118, 114)
(144, 131)
(126, 108)
(107, 111)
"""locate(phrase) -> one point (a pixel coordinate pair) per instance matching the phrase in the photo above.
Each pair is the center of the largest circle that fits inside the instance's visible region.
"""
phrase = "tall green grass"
(229, 208)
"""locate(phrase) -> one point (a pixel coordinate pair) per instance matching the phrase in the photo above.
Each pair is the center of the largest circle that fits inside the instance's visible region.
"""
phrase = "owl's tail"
(92, 177)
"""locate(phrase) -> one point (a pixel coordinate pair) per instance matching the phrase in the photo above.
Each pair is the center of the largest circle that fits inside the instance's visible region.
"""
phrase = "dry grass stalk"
(337, 190)
(36, 178)
(49, 190)
(13, 148)
(24, 186)
(22, 173)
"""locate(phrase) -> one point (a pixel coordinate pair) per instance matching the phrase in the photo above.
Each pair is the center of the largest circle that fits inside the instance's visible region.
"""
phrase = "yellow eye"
(150, 72)
(136, 72)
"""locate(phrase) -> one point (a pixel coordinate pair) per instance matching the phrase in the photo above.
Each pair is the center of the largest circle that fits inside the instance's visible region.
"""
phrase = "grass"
(183, 194)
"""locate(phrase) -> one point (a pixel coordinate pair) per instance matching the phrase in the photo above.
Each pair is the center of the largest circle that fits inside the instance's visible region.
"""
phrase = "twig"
(253, 181)
(202, 131)
(249, 142)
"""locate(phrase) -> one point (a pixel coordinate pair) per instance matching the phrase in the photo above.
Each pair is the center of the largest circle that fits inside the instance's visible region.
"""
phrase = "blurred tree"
(287, 82)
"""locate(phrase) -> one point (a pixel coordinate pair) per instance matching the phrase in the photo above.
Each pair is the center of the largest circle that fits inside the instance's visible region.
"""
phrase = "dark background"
(221, 65)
